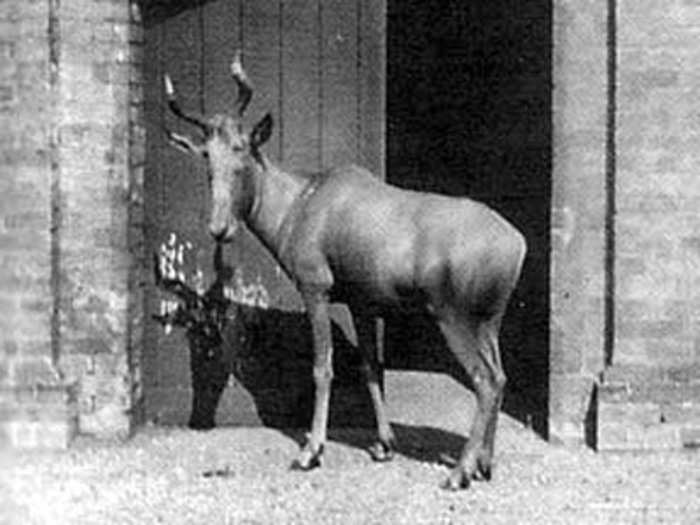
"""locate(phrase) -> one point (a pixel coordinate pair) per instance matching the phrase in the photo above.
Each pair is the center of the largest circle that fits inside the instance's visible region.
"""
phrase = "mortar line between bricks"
(137, 265)
(54, 36)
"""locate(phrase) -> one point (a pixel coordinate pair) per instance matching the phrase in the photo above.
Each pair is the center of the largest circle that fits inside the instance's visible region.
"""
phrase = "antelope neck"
(295, 211)
(279, 199)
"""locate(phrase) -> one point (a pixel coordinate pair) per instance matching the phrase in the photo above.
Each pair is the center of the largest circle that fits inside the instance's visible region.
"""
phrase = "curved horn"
(174, 106)
(245, 90)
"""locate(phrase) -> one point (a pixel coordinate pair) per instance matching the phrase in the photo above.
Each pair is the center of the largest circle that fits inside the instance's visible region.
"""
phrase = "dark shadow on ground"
(418, 442)
(269, 354)
(267, 351)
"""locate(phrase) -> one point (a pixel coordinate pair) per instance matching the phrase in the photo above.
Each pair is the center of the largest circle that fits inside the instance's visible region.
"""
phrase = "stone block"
(39, 418)
(642, 413)
(564, 360)
(37, 435)
(661, 436)
(611, 436)
(24, 12)
(657, 22)
(100, 11)
(32, 371)
(690, 435)
(565, 432)
(670, 351)
(647, 407)
(570, 394)
(107, 422)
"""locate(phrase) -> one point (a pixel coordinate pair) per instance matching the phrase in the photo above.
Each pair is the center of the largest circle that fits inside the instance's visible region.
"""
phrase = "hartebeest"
(345, 235)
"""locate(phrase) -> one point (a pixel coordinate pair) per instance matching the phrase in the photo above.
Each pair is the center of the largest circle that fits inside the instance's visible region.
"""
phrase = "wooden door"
(318, 67)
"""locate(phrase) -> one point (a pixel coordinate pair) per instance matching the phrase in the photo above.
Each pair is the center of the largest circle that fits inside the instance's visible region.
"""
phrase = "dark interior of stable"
(468, 113)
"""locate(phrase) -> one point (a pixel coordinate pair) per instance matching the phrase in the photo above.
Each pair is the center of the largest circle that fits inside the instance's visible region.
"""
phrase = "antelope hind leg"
(384, 447)
(472, 351)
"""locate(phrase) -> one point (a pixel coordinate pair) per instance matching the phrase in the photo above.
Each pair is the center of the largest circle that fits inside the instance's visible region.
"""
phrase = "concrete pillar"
(579, 112)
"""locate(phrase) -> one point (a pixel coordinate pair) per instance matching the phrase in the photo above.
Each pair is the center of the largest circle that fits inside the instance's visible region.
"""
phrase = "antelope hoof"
(484, 469)
(308, 459)
(457, 480)
(382, 451)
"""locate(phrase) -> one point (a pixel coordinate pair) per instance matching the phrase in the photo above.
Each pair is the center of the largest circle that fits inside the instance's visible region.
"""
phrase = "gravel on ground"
(241, 476)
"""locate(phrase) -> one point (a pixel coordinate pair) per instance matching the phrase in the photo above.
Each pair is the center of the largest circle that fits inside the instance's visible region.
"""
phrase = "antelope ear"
(261, 132)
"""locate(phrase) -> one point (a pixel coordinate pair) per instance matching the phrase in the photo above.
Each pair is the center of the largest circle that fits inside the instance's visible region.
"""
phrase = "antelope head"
(232, 155)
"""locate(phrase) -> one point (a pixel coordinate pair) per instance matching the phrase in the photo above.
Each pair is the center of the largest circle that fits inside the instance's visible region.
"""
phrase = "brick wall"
(71, 201)
(650, 398)
(29, 378)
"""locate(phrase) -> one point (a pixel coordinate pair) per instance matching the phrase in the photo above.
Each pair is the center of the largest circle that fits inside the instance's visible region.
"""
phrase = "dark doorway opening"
(469, 113)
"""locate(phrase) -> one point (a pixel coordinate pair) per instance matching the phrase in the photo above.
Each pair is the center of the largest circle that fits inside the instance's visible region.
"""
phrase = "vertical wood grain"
(222, 36)
(301, 103)
(339, 78)
(184, 180)
(153, 185)
(261, 25)
(261, 59)
(372, 85)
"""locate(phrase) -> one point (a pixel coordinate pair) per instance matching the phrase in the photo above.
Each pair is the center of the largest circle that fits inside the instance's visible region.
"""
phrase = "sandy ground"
(160, 476)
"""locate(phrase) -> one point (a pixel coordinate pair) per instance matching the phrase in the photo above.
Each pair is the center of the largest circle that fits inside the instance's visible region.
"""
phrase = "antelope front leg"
(317, 309)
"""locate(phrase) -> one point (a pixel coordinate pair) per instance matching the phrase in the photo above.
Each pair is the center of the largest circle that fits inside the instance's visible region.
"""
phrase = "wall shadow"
(267, 351)
(469, 114)
(272, 359)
